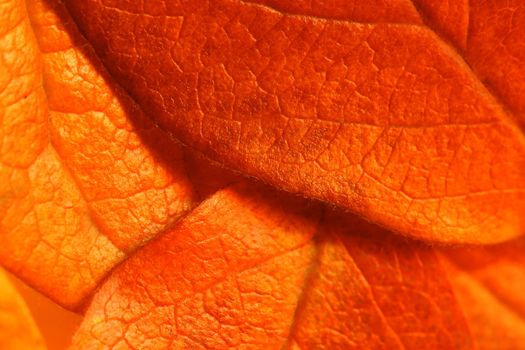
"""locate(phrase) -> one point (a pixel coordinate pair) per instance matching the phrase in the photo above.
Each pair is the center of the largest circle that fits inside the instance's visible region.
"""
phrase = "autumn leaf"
(233, 272)
(80, 185)
(488, 282)
(404, 116)
(56, 324)
(17, 328)
(118, 118)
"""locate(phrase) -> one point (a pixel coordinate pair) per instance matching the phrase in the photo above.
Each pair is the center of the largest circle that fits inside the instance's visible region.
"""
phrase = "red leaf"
(385, 118)
(251, 268)
(489, 282)
(408, 114)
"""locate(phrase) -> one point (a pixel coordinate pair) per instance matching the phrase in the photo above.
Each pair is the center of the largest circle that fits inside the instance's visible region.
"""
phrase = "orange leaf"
(370, 107)
(407, 113)
(81, 183)
(489, 282)
(17, 328)
(56, 324)
(251, 268)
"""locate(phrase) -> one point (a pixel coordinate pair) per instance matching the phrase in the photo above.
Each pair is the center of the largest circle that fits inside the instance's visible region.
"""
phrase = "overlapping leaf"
(85, 177)
(406, 113)
(253, 269)
(374, 110)
(488, 282)
(56, 324)
(17, 328)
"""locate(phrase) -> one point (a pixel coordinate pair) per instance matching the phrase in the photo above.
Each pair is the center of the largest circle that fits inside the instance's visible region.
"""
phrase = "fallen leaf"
(251, 268)
(17, 329)
(369, 106)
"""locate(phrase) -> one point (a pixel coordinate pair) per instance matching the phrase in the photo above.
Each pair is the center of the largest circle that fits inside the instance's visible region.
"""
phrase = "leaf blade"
(386, 120)
(259, 288)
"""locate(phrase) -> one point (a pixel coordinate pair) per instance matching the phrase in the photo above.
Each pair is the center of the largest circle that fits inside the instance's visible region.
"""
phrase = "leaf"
(394, 110)
(489, 282)
(17, 328)
(372, 107)
(56, 324)
(85, 177)
(252, 268)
